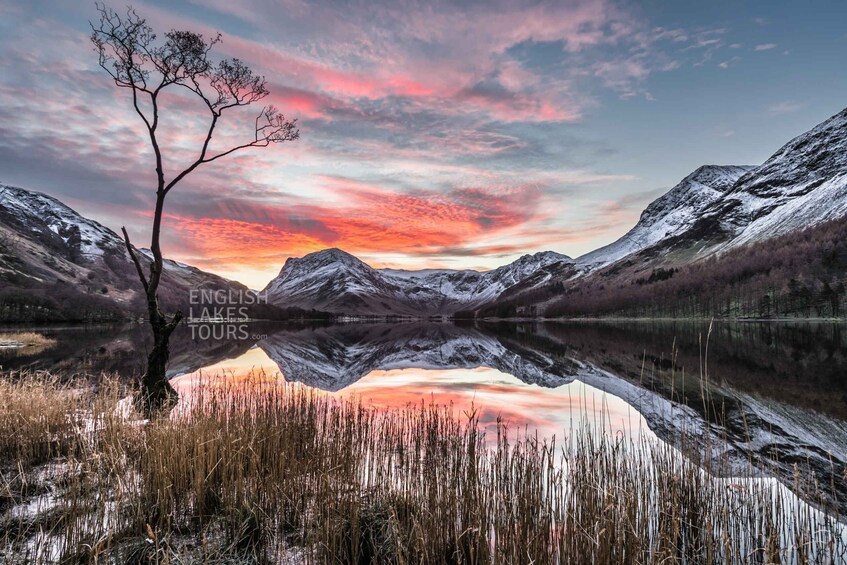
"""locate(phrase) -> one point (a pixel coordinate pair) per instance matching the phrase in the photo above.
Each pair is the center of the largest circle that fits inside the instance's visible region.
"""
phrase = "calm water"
(774, 394)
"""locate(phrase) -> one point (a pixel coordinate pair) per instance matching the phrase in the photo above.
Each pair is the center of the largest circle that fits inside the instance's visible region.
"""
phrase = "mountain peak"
(335, 281)
(317, 268)
(802, 184)
(38, 212)
(541, 259)
(321, 258)
(330, 254)
(673, 212)
(525, 266)
(699, 189)
(77, 269)
(810, 158)
(718, 177)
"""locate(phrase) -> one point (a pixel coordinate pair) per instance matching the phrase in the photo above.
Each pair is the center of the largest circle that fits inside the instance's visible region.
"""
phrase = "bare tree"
(129, 52)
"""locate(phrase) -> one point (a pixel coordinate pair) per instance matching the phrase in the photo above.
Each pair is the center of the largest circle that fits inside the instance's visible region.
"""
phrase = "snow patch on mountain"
(802, 184)
(336, 281)
(671, 214)
(33, 208)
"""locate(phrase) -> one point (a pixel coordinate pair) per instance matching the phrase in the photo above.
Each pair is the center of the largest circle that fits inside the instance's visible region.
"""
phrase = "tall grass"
(270, 472)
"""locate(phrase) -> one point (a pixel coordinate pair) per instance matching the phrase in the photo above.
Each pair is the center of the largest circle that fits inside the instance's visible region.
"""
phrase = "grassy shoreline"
(269, 472)
(16, 340)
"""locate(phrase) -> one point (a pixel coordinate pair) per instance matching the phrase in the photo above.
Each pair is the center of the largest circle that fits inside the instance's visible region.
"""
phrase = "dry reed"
(268, 472)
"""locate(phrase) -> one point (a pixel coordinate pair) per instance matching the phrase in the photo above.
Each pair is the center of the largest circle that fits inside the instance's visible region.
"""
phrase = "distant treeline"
(63, 302)
(799, 275)
(57, 303)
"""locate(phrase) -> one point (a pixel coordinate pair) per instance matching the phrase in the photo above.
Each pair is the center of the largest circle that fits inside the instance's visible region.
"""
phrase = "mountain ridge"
(336, 281)
(712, 211)
(669, 213)
(57, 265)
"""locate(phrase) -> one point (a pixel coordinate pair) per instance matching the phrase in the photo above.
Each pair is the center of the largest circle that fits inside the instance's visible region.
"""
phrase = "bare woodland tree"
(129, 53)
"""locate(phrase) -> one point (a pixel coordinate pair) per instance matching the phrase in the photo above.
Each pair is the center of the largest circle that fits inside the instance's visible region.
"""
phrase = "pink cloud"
(367, 61)
(369, 219)
(426, 95)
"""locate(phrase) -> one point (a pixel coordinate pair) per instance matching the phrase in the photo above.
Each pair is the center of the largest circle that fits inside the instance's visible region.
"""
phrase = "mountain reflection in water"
(775, 394)
(493, 396)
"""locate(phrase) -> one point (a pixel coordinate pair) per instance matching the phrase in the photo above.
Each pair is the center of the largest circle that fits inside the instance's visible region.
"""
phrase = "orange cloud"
(369, 219)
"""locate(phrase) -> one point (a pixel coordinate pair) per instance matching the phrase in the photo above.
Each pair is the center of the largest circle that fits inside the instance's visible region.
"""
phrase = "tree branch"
(276, 129)
(139, 269)
(127, 50)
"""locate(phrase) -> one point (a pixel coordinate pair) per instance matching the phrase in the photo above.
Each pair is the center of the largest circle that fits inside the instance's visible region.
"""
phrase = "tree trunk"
(156, 391)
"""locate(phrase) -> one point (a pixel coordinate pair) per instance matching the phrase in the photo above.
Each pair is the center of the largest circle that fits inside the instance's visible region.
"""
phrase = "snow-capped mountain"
(713, 209)
(719, 207)
(57, 264)
(41, 214)
(802, 184)
(671, 214)
(335, 281)
(334, 357)
(44, 243)
(49, 250)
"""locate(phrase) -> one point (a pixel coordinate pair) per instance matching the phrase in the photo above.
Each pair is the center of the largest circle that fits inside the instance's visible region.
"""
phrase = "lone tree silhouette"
(129, 52)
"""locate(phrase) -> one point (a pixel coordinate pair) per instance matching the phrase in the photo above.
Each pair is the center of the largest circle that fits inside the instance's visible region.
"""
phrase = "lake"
(766, 396)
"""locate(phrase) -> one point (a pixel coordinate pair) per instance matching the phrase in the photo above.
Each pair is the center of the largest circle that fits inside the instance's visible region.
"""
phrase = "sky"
(433, 134)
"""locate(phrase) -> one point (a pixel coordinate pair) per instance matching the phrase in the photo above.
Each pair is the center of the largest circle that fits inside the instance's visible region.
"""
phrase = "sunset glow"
(433, 135)
(493, 394)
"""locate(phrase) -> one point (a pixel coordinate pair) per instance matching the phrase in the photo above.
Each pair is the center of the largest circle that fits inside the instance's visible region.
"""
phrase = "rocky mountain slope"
(335, 281)
(57, 265)
(671, 214)
(802, 184)
(706, 247)
(718, 207)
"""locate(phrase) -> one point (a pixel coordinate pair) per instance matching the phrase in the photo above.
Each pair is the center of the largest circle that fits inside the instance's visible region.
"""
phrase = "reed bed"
(25, 339)
(267, 472)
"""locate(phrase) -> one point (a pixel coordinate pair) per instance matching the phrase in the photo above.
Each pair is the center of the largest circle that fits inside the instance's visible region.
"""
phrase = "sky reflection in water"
(494, 394)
